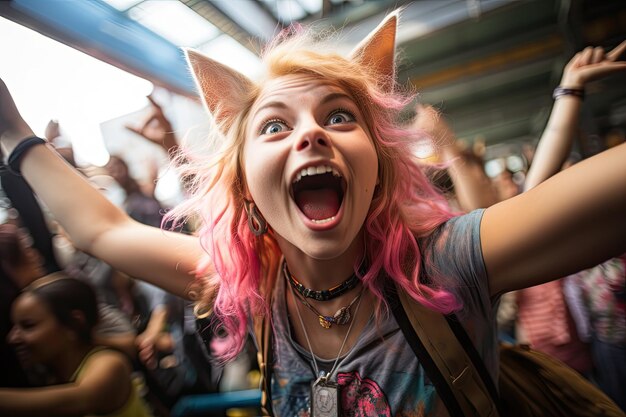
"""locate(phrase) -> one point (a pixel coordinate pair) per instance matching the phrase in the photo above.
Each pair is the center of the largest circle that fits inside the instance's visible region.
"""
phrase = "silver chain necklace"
(325, 399)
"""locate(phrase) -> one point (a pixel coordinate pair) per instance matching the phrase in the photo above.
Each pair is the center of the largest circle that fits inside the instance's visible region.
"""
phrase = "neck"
(68, 361)
(321, 274)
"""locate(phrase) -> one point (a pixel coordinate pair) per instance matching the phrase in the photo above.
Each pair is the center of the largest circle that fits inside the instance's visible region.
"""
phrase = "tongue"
(318, 204)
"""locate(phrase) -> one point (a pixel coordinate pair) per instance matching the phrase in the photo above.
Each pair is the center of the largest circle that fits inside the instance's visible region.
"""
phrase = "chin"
(329, 245)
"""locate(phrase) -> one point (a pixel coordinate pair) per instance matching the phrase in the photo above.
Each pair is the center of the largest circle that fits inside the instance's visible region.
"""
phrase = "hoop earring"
(256, 222)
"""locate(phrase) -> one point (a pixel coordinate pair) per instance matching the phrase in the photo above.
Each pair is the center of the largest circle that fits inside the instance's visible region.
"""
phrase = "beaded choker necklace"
(324, 295)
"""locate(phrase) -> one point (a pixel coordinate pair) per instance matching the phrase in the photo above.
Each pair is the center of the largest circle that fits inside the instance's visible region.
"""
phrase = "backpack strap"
(444, 359)
(263, 335)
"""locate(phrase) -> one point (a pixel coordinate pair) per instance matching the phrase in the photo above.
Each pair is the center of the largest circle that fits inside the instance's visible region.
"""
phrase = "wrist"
(14, 161)
(571, 81)
(562, 91)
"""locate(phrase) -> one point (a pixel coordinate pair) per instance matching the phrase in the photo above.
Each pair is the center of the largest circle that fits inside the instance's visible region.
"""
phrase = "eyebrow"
(281, 105)
(272, 104)
(335, 96)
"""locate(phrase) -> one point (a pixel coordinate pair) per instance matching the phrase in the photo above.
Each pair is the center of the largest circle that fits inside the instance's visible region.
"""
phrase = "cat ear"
(223, 89)
(377, 50)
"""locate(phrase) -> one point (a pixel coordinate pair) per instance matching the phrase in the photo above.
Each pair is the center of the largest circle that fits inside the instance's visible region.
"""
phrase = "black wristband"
(15, 159)
(560, 92)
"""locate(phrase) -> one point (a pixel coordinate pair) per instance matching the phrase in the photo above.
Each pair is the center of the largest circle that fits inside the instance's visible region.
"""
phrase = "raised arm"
(103, 389)
(471, 185)
(570, 222)
(556, 140)
(95, 225)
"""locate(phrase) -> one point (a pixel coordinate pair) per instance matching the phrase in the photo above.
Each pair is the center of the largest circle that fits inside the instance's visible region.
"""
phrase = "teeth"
(321, 169)
(322, 221)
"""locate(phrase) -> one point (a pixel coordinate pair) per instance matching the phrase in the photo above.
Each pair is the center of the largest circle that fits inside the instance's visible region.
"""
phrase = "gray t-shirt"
(381, 375)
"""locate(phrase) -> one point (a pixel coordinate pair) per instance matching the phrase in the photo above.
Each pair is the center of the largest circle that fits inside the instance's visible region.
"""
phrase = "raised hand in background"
(157, 128)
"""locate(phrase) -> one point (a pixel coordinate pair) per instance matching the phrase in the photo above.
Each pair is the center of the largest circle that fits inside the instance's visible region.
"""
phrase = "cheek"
(262, 170)
(253, 172)
(368, 164)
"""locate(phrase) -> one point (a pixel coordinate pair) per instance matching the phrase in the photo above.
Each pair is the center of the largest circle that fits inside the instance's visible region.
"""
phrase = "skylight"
(174, 21)
(230, 52)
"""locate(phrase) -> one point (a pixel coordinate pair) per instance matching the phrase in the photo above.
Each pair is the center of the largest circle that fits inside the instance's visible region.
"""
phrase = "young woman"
(53, 320)
(316, 201)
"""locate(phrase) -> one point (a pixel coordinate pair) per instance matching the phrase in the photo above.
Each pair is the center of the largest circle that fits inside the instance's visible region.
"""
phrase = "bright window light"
(424, 149)
(249, 15)
(123, 5)
(49, 80)
(174, 21)
(229, 52)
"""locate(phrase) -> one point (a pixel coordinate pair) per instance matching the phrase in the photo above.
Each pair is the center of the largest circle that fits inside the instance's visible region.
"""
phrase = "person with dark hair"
(16, 271)
(54, 318)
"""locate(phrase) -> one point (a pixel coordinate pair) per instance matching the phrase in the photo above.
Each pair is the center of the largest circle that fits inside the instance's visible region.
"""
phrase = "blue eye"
(272, 127)
(339, 117)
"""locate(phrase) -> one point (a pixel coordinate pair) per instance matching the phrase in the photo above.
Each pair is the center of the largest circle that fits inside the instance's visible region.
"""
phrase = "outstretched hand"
(156, 128)
(591, 64)
(13, 128)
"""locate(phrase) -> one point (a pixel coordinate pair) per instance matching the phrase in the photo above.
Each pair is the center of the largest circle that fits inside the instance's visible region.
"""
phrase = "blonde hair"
(405, 204)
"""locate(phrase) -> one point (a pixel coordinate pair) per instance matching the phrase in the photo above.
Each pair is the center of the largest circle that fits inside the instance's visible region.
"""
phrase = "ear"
(377, 50)
(223, 90)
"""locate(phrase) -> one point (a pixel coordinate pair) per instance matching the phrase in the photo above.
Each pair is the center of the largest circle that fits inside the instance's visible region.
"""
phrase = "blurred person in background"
(54, 318)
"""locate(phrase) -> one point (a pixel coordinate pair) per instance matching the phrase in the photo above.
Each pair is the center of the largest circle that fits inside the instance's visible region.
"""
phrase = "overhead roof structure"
(490, 65)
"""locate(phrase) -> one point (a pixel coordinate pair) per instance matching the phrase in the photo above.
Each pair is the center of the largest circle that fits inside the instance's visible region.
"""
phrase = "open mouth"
(318, 192)
(22, 353)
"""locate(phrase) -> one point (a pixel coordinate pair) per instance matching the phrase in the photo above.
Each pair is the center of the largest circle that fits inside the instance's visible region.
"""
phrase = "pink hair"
(405, 206)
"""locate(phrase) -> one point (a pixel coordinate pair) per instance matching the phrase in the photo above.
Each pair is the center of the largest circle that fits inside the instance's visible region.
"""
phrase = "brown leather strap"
(263, 334)
(450, 358)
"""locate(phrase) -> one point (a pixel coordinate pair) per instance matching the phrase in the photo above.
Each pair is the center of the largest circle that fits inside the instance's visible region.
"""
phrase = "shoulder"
(106, 363)
(106, 380)
(460, 234)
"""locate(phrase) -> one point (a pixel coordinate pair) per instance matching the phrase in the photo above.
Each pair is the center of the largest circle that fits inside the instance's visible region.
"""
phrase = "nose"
(312, 136)
(13, 338)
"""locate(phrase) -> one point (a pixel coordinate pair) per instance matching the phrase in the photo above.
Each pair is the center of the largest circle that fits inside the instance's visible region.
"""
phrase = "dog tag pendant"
(324, 399)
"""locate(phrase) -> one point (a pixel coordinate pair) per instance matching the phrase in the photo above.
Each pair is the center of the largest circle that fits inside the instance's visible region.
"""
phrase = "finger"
(145, 353)
(134, 129)
(154, 103)
(154, 117)
(147, 356)
(612, 68)
(150, 362)
(574, 62)
(586, 55)
(597, 55)
(616, 52)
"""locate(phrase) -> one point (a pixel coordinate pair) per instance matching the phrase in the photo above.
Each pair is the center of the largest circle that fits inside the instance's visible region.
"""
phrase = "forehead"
(292, 90)
(29, 305)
